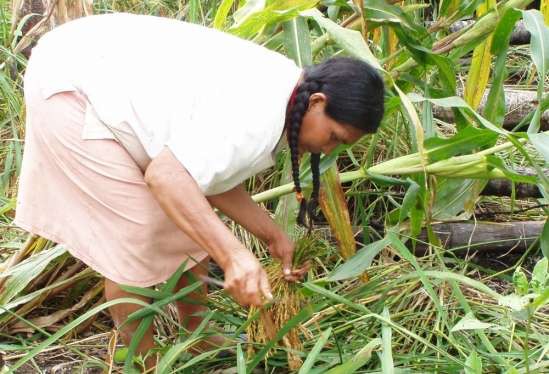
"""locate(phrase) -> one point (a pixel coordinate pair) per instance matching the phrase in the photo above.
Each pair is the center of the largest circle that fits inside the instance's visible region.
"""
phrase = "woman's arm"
(238, 205)
(183, 201)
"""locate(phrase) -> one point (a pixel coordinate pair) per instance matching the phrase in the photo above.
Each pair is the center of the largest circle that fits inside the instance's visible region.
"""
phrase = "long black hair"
(354, 95)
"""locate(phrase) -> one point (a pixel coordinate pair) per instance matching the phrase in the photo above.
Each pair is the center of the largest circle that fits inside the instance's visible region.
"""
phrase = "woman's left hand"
(282, 248)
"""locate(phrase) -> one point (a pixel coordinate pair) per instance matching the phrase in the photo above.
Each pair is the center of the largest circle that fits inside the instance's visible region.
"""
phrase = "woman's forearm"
(183, 201)
(238, 205)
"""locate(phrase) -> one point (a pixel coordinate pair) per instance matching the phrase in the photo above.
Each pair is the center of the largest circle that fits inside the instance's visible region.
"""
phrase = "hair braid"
(313, 204)
(296, 114)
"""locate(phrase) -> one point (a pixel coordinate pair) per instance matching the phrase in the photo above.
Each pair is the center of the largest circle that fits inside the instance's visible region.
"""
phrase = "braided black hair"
(354, 95)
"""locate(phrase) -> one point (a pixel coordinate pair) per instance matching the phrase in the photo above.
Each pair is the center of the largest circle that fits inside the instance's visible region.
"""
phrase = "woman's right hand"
(246, 280)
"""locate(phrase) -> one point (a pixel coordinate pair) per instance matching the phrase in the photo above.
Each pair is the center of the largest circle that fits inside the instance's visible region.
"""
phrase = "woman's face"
(321, 134)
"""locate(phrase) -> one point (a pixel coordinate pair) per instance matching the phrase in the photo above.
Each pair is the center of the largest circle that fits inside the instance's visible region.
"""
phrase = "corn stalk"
(474, 165)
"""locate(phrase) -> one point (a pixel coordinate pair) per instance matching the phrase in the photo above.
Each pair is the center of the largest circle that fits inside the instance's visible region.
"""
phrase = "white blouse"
(216, 101)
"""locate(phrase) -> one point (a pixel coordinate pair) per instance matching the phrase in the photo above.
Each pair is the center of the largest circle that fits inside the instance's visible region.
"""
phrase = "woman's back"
(173, 83)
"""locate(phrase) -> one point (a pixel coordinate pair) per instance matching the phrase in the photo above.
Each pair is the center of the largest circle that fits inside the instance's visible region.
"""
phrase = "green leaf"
(458, 102)
(498, 163)
(473, 364)
(154, 307)
(23, 273)
(539, 275)
(222, 13)
(350, 40)
(464, 142)
(146, 292)
(387, 364)
(313, 354)
(405, 253)
(410, 199)
(544, 239)
(253, 19)
(520, 281)
(358, 360)
(361, 261)
(334, 297)
(454, 198)
(503, 31)
(539, 42)
(541, 142)
(539, 46)
(297, 41)
(541, 300)
(381, 11)
(514, 302)
(469, 322)
(70, 327)
(167, 361)
(240, 360)
(137, 336)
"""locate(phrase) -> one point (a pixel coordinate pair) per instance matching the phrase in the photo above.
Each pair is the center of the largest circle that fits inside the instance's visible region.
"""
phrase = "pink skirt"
(90, 196)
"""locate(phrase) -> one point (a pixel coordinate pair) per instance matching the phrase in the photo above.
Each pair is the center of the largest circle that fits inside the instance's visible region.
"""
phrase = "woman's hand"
(246, 280)
(282, 248)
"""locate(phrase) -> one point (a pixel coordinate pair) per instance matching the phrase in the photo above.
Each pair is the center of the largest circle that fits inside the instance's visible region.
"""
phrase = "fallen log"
(484, 236)
(504, 187)
(518, 104)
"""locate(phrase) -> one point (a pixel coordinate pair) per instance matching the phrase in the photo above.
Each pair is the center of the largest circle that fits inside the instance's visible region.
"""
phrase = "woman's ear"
(317, 101)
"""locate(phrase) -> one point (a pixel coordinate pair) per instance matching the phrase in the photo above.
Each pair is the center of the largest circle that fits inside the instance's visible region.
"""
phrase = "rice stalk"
(288, 302)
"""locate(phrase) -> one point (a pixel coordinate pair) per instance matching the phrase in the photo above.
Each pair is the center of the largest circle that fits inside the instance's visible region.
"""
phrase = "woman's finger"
(265, 287)
(253, 295)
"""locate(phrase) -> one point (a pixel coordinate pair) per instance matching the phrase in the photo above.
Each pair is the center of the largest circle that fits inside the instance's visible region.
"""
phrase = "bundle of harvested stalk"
(289, 301)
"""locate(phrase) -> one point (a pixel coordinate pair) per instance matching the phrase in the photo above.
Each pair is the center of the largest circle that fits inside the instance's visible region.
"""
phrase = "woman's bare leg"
(119, 314)
(187, 311)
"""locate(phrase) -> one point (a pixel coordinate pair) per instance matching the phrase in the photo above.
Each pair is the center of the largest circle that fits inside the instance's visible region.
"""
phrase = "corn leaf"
(539, 43)
(381, 11)
(479, 72)
(541, 142)
(539, 47)
(221, 15)
(297, 41)
(458, 102)
(454, 199)
(494, 110)
(256, 18)
(350, 40)
(360, 262)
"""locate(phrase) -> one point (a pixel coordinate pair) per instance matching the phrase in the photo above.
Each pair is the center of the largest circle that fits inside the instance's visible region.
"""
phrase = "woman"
(209, 110)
